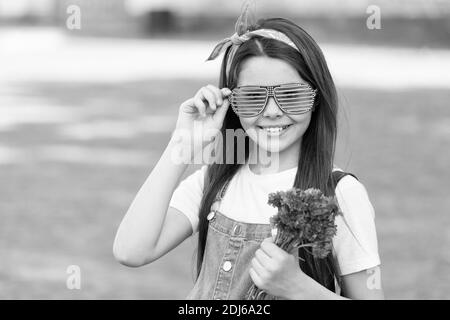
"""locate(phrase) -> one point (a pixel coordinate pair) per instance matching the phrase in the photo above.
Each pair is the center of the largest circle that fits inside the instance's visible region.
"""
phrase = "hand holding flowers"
(305, 218)
(277, 273)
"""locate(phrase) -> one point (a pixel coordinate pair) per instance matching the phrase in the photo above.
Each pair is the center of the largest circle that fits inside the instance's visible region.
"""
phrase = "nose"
(272, 110)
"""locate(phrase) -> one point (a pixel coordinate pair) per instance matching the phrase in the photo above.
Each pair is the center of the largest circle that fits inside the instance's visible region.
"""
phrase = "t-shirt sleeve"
(355, 242)
(188, 195)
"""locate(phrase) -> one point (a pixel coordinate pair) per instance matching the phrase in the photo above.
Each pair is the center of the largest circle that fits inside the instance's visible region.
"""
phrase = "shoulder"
(193, 182)
(348, 182)
(188, 195)
(352, 195)
(196, 175)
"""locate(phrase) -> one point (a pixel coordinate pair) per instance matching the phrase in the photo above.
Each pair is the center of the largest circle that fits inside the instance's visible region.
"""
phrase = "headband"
(243, 34)
(236, 40)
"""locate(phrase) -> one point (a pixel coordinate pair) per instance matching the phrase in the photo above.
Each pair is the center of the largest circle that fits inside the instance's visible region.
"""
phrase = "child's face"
(266, 72)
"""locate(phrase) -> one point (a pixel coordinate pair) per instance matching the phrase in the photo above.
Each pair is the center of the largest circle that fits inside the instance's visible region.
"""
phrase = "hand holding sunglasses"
(208, 105)
(201, 117)
(292, 98)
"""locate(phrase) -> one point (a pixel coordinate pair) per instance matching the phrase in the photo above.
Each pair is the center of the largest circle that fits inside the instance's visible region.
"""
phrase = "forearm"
(312, 290)
(140, 228)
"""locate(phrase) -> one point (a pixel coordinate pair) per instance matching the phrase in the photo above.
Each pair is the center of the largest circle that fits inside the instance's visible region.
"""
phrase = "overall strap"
(222, 191)
(337, 175)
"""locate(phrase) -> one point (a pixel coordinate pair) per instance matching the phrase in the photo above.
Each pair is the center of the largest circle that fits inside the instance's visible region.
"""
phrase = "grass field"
(73, 156)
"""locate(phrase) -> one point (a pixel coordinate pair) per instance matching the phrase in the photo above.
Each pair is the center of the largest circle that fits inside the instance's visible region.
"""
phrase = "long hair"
(317, 148)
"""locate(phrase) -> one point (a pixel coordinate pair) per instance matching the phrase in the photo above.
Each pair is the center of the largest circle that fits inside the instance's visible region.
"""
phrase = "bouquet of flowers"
(305, 218)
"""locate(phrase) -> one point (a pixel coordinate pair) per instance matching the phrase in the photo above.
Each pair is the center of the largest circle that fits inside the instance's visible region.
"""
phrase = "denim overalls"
(230, 246)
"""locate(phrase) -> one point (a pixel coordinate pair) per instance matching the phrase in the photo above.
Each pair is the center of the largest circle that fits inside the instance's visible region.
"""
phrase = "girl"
(276, 79)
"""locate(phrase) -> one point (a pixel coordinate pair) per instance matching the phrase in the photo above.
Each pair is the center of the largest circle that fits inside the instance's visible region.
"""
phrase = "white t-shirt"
(246, 199)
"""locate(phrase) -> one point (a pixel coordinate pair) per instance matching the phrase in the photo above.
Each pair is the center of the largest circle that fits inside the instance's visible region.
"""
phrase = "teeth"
(274, 129)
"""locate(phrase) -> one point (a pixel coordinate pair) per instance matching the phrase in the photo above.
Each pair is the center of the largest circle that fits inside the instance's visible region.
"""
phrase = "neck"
(265, 162)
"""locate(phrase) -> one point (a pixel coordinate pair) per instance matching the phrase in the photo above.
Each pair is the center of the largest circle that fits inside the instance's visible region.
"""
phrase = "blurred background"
(89, 92)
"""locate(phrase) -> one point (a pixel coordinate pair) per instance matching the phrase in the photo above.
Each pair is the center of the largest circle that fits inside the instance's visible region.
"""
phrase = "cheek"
(248, 122)
(301, 124)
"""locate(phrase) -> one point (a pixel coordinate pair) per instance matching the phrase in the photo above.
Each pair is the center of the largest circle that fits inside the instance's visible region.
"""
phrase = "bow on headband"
(242, 34)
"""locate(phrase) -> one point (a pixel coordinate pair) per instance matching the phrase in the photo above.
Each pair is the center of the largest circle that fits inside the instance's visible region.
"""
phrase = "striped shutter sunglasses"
(292, 98)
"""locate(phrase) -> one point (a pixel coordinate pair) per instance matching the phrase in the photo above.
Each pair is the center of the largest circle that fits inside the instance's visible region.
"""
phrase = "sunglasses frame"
(270, 92)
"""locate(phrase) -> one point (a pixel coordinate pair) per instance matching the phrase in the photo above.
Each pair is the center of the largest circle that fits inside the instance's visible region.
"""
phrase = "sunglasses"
(292, 98)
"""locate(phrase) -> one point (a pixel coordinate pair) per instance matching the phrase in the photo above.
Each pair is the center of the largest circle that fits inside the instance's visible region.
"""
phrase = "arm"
(150, 229)
(136, 242)
(363, 285)
(276, 272)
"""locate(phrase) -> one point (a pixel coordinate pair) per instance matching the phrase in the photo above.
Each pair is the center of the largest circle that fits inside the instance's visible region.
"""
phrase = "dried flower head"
(305, 218)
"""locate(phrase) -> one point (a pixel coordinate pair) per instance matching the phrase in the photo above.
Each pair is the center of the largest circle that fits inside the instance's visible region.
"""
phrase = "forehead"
(266, 71)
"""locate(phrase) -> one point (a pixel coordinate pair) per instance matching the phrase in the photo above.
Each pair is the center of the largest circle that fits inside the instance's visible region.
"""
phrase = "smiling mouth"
(274, 129)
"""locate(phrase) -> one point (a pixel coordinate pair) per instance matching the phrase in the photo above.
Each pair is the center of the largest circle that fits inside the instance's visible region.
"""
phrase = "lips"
(274, 129)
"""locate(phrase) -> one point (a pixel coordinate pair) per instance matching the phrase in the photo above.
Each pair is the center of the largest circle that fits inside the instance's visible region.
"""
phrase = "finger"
(260, 270)
(221, 112)
(255, 278)
(210, 97)
(263, 258)
(217, 93)
(225, 92)
(188, 106)
(200, 105)
(271, 249)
